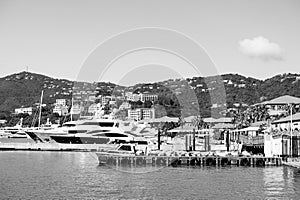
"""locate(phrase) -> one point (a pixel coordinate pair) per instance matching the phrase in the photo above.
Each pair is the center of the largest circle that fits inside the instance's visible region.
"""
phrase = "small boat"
(122, 150)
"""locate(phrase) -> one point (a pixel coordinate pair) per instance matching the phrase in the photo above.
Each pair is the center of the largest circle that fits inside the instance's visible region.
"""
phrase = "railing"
(257, 140)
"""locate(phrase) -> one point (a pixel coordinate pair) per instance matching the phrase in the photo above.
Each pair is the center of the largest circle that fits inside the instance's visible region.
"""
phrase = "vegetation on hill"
(176, 97)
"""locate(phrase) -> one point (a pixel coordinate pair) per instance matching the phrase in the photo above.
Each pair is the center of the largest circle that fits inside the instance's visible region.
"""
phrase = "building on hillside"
(62, 102)
(60, 107)
(130, 96)
(124, 106)
(141, 113)
(27, 110)
(93, 108)
(107, 100)
(75, 110)
(140, 97)
(148, 97)
(60, 110)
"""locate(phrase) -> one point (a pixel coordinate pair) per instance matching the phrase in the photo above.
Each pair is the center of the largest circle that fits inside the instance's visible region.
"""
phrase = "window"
(97, 131)
(69, 125)
(102, 124)
(125, 148)
(111, 135)
(115, 135)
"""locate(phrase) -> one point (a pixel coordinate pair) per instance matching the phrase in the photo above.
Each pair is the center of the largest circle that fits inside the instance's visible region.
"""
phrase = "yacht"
(101, 136)
(74, 127)
(12, 130)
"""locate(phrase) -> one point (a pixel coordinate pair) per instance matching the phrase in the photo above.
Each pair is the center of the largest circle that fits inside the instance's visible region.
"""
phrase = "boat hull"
(79, 140)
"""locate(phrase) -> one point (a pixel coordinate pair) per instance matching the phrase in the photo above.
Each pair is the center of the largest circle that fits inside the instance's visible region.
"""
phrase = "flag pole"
(291, 129)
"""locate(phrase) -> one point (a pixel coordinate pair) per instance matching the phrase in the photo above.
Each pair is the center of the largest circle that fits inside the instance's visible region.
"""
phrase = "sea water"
(77, 175)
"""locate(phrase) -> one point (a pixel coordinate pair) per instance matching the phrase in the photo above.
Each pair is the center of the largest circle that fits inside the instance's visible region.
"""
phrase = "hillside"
(24, 89)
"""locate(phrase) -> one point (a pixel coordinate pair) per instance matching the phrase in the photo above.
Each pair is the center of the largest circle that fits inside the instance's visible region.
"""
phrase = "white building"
(132, 97)
(76, 109)
(148, 97)
(62, 102)
(285, 123)
(140, 97)
(60, 110)
(124, 106)
(141, 113)
(107, 99)
(93, 108)
(27, 110)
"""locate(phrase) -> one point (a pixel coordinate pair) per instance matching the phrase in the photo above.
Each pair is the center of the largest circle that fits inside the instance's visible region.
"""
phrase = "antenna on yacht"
(40, 114)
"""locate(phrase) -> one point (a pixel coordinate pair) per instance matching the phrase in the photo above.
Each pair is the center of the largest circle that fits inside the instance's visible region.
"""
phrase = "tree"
(198, 122)
(147, 104)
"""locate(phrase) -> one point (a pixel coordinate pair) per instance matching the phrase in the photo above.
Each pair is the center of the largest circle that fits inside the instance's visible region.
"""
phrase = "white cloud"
(262, 48)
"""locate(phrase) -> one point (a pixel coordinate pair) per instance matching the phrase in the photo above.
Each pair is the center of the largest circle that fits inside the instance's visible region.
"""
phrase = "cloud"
(262, 48)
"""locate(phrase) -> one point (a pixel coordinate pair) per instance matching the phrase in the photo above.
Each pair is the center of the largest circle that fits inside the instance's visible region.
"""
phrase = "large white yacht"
(100, 136)
(73, 127)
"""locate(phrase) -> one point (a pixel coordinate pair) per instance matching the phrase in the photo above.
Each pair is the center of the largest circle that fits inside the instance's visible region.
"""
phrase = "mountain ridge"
(24, 89)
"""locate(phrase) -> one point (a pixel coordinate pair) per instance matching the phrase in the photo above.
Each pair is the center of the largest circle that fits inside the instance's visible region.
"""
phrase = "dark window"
(125, 148)
(111, 135)
(69, 125)
(97, 131)
(106, 124)
(102, 124)
(115, 135)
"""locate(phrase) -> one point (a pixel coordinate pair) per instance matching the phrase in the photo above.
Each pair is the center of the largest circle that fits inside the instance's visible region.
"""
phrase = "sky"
(127, 42)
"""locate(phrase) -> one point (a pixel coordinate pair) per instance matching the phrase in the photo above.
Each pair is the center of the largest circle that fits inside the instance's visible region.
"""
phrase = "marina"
(149, 100)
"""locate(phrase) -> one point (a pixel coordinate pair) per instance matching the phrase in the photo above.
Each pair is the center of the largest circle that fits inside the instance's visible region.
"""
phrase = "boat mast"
(71, 112)
(40, 114)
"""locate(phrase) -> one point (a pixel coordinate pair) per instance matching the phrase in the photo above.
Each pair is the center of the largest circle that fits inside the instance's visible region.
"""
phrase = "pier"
(292, 162)
(174, 161)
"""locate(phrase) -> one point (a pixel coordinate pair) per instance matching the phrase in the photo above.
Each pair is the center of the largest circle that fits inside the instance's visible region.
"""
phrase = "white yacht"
(73, 127)
(100, 136)
(12, 130)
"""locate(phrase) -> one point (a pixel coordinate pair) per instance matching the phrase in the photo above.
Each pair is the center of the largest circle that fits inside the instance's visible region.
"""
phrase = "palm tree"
(198, 122)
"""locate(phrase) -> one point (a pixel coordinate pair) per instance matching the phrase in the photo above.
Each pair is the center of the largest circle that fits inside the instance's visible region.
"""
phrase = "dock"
(292, 162)
(174, 161)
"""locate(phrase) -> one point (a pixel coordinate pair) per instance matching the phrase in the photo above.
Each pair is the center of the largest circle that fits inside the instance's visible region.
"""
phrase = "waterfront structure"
(285, 123)
(281, 105)
(27, 110)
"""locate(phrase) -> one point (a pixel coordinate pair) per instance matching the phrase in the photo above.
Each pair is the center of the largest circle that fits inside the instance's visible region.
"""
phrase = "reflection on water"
(67, 175)
(281, 182)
